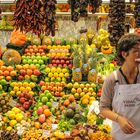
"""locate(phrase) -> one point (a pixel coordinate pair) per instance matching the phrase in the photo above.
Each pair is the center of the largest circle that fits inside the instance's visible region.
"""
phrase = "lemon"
(64, 70)
(76, 95)
(28, 89)
(55, 75)
(16, 89)
(85, 101)
(18, 93)
(13, 123)
(9, 128)
(19, 117)
(19, 84)
(16, 110)
(50, 75)
(22, 88)
(11, 115)
(32, 85)
(64, 79)
(69, 85)
(12, 93)
(25, 84)
(67, 75)
(59, 70)
(61, 75)
(52, 79)
(31, 92)
(13, 84)
(58, 79)
(47, 70)
(53, 69)
(47, 79)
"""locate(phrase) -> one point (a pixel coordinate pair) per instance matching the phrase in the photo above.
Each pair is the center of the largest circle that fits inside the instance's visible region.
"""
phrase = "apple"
(42, 118)
(53, 61)
(22, 72)
(22, 100)
(26, 105)
(57, 61)
(20, 77)
(37, 72)
(50, 65)
(40, 110)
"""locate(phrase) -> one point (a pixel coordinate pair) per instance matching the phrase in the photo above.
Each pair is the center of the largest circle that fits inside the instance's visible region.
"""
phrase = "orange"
(85, 101)
(47, 112)
(37, 125)
(66, 102)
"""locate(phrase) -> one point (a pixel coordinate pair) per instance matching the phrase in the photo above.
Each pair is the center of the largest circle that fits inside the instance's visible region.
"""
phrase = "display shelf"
(69, 13)
(6, 29)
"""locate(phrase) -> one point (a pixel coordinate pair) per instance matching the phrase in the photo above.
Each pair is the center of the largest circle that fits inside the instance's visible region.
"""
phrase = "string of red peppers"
(50, 19)
(35, 16)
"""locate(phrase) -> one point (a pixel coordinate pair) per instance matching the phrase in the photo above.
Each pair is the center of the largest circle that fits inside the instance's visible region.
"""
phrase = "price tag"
(67, 133)
(46, 133)
(54, 126)
(12, 103)
(55, 104)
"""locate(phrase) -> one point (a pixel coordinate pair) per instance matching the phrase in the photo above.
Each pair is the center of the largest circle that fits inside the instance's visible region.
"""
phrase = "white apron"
(126, 102)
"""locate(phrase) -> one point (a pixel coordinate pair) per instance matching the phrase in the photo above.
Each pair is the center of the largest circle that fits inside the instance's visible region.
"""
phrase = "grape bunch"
(4, 103)
(95, 4)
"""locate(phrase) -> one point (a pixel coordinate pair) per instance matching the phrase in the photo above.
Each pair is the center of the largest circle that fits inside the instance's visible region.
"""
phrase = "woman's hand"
(126, 126)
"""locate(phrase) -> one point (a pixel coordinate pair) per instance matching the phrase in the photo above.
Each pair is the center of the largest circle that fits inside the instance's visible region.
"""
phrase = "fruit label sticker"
(55, 104)
(67, 133)
(12, 103)
(46, 133)
(54, 126)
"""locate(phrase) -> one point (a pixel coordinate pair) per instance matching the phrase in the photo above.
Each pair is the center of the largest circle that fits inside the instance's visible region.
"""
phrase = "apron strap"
(116, 77)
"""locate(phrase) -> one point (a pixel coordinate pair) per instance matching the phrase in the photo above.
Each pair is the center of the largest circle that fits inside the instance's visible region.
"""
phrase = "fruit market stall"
(50, 85)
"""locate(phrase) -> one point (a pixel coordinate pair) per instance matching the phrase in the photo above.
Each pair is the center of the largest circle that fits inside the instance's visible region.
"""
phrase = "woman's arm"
(126, 126)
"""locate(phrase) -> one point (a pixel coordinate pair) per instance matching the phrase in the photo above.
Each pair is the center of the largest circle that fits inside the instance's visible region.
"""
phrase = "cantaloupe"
(11, 57)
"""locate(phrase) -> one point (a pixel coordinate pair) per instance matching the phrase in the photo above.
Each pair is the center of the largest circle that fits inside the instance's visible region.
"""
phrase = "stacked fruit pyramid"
(42, 97)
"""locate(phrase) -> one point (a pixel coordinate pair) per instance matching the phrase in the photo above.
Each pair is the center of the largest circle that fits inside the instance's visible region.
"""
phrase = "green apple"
(30, 61)
(25, 61)
(40, 61)
(35, 61)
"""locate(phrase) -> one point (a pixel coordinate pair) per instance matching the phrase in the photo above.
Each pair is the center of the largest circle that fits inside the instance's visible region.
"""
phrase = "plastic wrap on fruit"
(77, 75)
(85, 69)
(92, 75)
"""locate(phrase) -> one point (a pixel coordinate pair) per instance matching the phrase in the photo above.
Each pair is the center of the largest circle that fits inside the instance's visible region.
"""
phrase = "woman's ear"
(124, 54)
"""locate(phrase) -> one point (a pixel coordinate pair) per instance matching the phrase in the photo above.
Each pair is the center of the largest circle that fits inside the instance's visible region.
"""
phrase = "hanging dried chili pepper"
(28, 16)
(50, 16)
(116, 26)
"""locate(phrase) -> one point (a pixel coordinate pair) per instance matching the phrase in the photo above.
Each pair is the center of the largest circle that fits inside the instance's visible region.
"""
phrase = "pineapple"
(85, 66)
(92, 75)
(76, 72)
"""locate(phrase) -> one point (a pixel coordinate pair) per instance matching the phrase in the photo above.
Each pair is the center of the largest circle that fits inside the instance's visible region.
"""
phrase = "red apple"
(22, 72)
(40, 111)
(50, 65)
(62, 61)
(64, 65)
(22, 100)
(26, 105)
(57, 61)
(20, 77)
(45, 107)
(42, 118)
(42, 83)
(53, 61)
(37, 72)
(67, 62)
(54, 65)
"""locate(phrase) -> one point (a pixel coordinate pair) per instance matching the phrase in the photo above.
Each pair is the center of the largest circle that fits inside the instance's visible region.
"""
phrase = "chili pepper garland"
(79, 8)
(28, 16)
(137, 13)
(50, 19)
(116, 26)
(95, 4)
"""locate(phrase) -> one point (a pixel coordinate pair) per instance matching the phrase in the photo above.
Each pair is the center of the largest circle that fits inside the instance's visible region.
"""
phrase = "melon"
(11, 57)
(36, 40)
(47, 40)
(59, 41)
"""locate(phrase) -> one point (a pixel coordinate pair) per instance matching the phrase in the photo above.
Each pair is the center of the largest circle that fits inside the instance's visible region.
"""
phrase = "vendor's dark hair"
(126, 43)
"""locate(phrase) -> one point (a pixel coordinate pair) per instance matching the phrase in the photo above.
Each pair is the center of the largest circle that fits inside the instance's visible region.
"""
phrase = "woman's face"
(132, 55)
